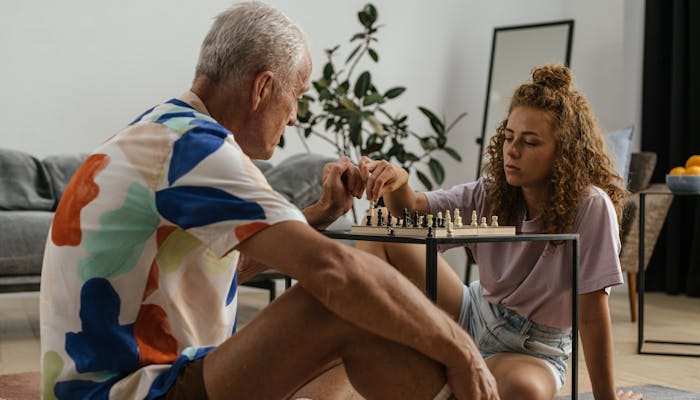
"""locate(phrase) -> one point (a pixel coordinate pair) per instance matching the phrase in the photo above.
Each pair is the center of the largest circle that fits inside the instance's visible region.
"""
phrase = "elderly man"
(138, 296)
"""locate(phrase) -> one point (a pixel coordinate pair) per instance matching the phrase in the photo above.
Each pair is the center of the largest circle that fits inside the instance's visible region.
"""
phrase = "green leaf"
(349, 104)
(307, 132)
(373, 54)
(453, 153)
(372, 98)
(352, 53)
(394, 92)
(437, 171)
(302, 108)
(428, 143)
(328, 72)
(356, 36)
(365, 19)
(355, 131)
(371, 11)
(437, 125)
(411, 157)
(343, 88)
(342, 112)
(362, 85)
(329, 122)
(424, 180)
(321, 83)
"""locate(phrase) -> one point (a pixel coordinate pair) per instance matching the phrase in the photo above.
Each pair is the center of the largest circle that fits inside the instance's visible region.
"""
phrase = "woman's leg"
(409, 259)
(520, 376)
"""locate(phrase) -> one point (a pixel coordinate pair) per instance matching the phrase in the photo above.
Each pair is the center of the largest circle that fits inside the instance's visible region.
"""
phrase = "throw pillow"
(619, 146)
(25, 183)
(299, 178)
(61, 169)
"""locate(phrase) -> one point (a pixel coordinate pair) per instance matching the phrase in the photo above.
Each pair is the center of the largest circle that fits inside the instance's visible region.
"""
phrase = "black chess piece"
(389, 221)
(380, 218)
(425, 221)
(441, 222)
(415, 219)
(435, 222)
(404, 221)
(430, 231)
(369, 221)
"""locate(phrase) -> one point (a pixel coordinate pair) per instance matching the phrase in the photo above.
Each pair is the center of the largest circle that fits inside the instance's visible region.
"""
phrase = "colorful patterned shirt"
(139, 276)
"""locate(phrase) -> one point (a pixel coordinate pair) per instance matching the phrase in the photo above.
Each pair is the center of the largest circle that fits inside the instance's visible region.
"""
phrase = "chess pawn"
(458, 218)
(369, 220)
(450, 228)
(474, 219)
(416, 220)
(404, 218)
(420, 220)
(439, 215)
(430, 231)
(483, 223)
(494, 221)
(380, 218)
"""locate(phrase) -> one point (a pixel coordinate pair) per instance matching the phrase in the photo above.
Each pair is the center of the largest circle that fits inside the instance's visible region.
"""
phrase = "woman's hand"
(629, 395)
(381, 177)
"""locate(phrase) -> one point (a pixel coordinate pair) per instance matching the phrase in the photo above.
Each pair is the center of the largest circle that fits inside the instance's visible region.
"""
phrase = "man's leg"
(293, 337)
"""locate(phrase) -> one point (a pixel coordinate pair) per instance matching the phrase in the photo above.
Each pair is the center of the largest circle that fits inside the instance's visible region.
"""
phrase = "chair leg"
(632, 292)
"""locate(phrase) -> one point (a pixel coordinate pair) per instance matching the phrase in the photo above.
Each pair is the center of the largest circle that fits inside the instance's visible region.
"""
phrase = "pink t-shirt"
(534, 278)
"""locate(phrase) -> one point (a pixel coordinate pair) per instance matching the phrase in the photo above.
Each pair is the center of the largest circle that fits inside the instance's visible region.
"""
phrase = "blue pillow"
(619, 146)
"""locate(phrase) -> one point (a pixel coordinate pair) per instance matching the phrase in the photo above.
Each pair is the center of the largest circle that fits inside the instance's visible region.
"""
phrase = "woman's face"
(529, 147)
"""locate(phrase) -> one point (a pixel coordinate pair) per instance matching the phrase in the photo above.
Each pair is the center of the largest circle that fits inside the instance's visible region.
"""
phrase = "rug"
(650, 392)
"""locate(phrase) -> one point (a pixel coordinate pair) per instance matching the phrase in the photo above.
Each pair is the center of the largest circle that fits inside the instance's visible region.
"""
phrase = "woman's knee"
(525, 387)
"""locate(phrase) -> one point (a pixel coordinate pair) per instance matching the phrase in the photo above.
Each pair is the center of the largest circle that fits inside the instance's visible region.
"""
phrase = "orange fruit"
(693, 161)
(693, 170)
(677, 171)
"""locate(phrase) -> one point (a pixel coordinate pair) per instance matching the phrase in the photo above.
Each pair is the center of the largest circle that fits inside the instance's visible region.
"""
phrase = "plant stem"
(360, 54)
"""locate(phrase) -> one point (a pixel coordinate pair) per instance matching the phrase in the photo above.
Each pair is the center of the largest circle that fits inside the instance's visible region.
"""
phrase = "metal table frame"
(640, 286)
(431, 252)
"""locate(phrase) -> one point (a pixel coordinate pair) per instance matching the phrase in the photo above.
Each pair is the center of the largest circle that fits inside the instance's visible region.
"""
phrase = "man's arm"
(369, 293)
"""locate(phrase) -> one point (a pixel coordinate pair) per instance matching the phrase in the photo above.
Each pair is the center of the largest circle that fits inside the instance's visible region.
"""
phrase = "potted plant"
(350, 112)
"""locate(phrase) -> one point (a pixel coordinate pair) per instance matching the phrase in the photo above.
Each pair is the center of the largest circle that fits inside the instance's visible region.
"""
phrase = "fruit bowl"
(683, 184)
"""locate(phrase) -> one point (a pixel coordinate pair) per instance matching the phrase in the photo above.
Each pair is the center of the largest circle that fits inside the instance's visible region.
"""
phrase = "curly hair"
(580, 160)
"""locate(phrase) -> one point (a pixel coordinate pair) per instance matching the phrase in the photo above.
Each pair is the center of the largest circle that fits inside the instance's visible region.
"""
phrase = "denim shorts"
(496, 329)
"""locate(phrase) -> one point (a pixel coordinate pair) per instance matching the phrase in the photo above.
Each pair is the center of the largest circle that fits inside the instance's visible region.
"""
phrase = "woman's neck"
(534, 199)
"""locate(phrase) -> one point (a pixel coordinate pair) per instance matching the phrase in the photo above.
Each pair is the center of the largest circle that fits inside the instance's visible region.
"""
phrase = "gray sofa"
(30, 189)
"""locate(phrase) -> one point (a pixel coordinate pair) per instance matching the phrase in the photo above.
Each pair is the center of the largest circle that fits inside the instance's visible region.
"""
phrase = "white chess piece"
(483, 223)
(449, 228)
(439, 215)
(430, 219)
(448, 217)
(474, 219)
(458, 218)
(494, 221)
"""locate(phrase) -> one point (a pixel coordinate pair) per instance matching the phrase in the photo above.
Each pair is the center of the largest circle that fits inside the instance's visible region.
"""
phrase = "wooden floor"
(667, 317)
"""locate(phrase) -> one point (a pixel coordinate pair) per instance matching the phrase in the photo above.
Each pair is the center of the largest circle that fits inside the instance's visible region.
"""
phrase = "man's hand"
(341, 181)
(381, 177)
(472, 380)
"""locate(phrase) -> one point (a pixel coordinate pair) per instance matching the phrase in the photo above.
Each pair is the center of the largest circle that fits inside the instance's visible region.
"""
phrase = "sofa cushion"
(23, 239)
(24, 182)
(619, 146)
(60, 169)
(299, 177)
(641, 169)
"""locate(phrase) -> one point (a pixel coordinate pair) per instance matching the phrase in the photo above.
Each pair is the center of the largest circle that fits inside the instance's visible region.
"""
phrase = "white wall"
(75, 72)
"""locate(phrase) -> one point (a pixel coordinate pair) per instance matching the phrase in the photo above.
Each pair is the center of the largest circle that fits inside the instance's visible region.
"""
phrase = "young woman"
(548, 172)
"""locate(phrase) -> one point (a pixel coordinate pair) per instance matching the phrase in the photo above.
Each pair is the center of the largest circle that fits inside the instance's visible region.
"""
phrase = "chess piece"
(474, 219)
(483, 223)
(389, 219)
(380, 218)
(369, 220)
(416, 220)
(424, 224)
(458, 218)
(420, 221)
(448, 217)
(430, 220)
(450, 228)
(494, 221)
(439, 215)
(404, 219)
(430, 231)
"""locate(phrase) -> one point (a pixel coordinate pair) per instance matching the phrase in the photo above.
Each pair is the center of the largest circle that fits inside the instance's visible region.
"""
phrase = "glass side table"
(431, 247)
(640, 279)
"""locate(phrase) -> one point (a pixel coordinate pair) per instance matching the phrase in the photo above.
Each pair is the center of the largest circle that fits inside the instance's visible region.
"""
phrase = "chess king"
(547, 172)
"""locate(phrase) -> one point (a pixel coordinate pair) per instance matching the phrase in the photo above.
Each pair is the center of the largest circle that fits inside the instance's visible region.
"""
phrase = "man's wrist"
(319, 215)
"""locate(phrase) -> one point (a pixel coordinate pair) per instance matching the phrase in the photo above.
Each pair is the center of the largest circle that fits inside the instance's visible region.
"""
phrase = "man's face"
(269, 123)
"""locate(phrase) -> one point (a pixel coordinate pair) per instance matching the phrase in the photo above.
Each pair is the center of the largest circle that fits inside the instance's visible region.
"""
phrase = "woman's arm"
(596, 338)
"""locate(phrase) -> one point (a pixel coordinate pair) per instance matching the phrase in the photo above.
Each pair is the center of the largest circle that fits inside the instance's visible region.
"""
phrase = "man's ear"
(262, 90)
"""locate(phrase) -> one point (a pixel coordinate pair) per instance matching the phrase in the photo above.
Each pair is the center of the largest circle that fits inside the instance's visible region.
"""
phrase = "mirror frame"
(570, 36)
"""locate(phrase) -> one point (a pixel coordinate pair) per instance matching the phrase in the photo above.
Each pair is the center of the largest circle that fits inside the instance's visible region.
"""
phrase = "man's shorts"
(496, 329)
(189, 384)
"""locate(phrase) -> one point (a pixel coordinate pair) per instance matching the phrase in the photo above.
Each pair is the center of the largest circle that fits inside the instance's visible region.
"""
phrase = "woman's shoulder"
(595, 204)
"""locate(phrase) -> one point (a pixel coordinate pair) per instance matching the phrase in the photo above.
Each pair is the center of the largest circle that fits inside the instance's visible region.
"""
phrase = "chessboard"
(427, 225)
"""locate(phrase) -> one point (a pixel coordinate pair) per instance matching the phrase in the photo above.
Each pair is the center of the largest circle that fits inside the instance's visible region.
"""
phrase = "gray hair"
(249, 38)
